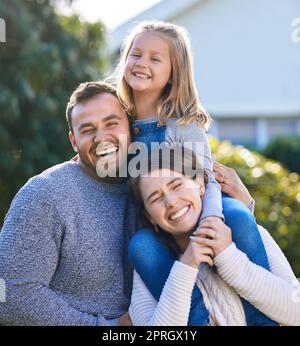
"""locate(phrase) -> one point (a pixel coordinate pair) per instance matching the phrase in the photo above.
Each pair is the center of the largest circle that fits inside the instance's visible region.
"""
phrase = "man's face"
(98, 124)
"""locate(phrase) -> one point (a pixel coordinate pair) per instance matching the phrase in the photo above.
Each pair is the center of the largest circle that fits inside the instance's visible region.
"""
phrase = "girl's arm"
(174, 304)
(233, 185)
(194, 137)
(275, 293)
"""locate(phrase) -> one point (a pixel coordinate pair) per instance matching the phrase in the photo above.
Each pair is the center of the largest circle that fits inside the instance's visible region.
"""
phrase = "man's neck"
(93, 174)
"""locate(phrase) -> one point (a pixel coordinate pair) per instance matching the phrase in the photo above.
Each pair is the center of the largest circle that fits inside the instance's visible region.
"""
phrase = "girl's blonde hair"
(179, 99)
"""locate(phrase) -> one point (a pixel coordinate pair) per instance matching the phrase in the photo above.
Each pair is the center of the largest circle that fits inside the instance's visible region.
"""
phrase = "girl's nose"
(141, 62)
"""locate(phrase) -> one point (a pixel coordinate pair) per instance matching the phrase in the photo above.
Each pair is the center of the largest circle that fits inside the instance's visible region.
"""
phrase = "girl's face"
(148, 65)
(172, 200)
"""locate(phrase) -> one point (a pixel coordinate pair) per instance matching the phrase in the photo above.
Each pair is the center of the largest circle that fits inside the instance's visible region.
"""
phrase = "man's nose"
(99, 135)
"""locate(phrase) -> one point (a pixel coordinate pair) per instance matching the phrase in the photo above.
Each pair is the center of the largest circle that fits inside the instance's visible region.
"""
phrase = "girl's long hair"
(179, 99)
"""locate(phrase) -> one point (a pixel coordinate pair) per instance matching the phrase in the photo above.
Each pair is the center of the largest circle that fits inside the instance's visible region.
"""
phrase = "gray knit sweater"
(63, 251)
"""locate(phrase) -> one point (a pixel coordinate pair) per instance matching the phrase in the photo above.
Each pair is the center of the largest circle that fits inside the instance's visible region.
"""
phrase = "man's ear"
(73, 142)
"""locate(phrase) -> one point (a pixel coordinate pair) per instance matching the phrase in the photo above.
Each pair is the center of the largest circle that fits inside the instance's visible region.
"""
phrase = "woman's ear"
(202, 190)
(200, 183)
(148, 217)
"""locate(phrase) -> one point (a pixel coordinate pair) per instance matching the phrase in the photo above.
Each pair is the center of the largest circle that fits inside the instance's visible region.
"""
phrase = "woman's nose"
(171, 201)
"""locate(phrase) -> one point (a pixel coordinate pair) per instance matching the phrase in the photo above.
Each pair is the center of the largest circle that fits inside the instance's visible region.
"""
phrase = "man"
(63, 246)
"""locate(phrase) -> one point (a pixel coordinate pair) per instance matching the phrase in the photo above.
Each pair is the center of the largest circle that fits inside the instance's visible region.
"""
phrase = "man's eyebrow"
(111, 117)
(156, 192)
(108, 118)
(85, 125)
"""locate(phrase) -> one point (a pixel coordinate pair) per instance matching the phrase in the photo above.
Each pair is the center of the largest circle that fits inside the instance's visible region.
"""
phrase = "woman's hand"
(213, 234)
(231, 183)
(125, 320)
(196, 254)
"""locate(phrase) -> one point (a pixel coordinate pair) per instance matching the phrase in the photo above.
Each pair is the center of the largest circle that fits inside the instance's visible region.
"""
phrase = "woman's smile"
(172, 200)
(177, 216)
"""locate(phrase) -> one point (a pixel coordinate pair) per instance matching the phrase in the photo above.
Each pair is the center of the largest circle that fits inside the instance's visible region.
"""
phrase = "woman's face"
(172, 200)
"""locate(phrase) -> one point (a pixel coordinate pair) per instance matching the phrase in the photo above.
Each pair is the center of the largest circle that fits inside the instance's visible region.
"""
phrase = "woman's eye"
(155, 200)
(177, 186)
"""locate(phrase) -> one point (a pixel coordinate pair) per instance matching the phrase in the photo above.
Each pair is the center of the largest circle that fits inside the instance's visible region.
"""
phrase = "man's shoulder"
(53, 179)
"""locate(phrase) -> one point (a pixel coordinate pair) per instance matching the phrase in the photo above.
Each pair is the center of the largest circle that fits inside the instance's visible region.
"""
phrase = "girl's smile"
(148, 65)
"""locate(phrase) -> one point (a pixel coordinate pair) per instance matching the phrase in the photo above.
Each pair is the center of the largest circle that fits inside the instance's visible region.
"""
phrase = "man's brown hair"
(84, 92)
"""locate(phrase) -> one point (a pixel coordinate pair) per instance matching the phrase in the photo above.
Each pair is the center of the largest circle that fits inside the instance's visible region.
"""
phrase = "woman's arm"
(174, 304)
(275, 293)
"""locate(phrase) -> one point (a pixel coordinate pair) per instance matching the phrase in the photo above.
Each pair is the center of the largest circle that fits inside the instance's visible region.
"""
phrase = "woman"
(170, 199)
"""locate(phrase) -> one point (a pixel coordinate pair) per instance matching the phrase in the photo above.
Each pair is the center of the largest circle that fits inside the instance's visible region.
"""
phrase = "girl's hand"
(213, 234)
(196, 254)
(231, 183)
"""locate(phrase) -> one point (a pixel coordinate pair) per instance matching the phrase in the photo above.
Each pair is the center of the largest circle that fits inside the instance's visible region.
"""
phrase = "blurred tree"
(286, 150)
(44, 58)
(276, 192)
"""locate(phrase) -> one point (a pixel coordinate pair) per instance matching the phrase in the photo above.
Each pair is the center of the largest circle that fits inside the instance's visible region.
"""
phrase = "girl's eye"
(135, 55)
(156, 59)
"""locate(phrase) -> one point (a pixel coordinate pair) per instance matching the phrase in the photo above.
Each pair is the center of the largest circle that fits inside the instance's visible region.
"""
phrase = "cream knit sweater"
(275, 293)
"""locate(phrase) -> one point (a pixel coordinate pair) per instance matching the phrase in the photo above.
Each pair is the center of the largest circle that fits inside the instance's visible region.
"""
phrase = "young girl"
(272, 293)
(156, 86)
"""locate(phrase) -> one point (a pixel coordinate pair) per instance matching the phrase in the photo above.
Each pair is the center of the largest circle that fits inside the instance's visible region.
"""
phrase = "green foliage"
(45, 57)
(276, 192)
(285, 150)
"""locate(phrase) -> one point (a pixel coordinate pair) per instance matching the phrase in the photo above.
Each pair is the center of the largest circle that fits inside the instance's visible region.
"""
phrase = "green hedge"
(285, 150)
(275, 190)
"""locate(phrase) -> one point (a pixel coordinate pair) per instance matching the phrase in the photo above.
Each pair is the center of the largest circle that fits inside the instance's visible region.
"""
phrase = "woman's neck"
(145, 105)
(182, 240)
